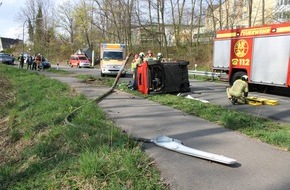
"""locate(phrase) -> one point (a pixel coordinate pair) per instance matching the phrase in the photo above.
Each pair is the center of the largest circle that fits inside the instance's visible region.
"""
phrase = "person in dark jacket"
(29, 61)
(21, 60)
(33, 63)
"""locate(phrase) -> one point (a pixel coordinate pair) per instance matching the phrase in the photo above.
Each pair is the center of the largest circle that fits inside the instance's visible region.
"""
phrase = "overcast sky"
(9, 27)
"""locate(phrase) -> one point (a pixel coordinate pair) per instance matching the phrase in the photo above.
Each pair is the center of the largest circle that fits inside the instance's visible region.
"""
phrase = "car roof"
(5, 55)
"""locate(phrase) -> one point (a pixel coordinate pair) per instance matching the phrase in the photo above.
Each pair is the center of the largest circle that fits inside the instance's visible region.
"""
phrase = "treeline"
(59, 29)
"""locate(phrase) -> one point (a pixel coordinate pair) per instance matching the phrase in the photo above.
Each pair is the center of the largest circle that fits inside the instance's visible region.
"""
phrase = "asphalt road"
(260, 166)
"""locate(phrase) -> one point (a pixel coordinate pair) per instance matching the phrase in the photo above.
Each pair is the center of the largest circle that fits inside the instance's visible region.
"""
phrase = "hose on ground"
(69, 117)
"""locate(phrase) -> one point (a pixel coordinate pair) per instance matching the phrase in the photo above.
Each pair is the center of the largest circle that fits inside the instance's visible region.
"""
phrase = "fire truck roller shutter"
(237, 75)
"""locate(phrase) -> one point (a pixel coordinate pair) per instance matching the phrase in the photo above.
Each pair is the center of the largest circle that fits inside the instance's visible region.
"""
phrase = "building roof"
(6, 43)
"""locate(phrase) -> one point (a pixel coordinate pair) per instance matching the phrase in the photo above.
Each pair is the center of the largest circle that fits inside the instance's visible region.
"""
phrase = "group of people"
(33, 62)
(140, 58)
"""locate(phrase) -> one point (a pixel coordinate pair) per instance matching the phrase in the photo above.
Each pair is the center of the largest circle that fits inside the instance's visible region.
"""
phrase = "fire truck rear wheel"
(236, 76)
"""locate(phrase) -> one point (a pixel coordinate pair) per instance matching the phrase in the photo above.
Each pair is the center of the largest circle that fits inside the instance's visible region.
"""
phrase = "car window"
(5, 56)
(82, 58)
(113, 55)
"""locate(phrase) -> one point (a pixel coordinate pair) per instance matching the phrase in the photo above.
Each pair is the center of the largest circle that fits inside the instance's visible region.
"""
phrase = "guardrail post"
(195, 66)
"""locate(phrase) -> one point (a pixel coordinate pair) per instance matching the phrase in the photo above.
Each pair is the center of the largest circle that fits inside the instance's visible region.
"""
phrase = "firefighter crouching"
(239, 91)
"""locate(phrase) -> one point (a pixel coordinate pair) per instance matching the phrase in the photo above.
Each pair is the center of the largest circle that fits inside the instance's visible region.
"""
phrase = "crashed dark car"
(6, 59)
(45, 64)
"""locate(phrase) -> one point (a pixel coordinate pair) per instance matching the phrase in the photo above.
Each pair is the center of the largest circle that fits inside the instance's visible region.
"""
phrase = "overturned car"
(154, 76)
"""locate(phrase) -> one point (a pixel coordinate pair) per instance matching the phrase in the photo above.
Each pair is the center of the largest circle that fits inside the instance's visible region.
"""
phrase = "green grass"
(38, 151)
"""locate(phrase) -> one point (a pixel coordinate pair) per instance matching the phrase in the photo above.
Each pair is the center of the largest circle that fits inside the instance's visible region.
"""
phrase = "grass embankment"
(38, 151)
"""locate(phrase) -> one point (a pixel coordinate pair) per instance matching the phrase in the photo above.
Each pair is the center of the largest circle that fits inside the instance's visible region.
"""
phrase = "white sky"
(9, 26)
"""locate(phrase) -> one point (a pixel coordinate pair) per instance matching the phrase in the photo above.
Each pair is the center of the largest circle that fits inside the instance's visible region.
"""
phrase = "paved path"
(260, 166)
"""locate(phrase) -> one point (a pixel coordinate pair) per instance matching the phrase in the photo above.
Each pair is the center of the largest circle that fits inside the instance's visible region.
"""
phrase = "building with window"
(236, 13)
(152, 34)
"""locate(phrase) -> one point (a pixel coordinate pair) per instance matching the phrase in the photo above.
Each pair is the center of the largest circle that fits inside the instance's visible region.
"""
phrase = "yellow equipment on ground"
(258, 101)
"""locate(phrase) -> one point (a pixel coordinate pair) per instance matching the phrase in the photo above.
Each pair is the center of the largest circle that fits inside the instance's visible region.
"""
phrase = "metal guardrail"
(207, 74)
(214, 75)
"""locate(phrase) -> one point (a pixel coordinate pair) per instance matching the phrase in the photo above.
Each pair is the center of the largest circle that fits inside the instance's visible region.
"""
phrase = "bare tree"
(112, 18)
(192, 22)
(39, 32)
(199, 22)
(38, 12)
(161, 23)
(250, 9)
(263, 11)
(83, 23)
(65, 20)
(177, 24)
(213, 15)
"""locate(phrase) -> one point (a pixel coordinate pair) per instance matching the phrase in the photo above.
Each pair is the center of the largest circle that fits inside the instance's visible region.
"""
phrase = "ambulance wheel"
(236, 76)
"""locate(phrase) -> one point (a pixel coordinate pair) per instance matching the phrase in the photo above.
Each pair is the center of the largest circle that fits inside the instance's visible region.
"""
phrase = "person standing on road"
(159, 57)
(29, 61)
(21, 61)
(149, 55)
(134, 63)
(34, 63)
(38, 61)
(138, 59)
(239, 91)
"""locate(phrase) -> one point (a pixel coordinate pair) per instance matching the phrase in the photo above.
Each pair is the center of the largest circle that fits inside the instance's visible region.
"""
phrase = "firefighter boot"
(234, 100)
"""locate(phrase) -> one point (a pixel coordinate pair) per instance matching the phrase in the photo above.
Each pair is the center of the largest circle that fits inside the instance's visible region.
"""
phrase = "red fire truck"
(262, 53)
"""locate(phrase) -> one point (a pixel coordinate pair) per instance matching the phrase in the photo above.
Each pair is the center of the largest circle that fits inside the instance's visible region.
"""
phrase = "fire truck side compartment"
(221, 57)
(270, 60)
